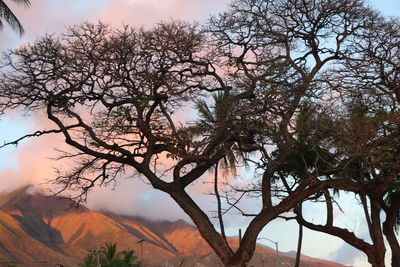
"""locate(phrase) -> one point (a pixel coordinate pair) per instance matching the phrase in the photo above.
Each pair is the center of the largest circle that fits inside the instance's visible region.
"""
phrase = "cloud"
(47, 17)
(54, 16)
(149, 12)
(134, 197)
(30, 161)
(349, 255)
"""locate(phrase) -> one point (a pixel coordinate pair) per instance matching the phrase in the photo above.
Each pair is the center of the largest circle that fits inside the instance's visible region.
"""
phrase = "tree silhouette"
(307, 97)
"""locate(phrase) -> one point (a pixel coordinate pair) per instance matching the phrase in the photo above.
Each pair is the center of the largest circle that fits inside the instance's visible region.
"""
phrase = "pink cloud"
(32, 156)
(149, 12)
(131, 196)
(54, 16)
(48, 17)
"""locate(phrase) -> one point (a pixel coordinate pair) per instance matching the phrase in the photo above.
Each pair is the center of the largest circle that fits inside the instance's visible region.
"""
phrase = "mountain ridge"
(38, 230)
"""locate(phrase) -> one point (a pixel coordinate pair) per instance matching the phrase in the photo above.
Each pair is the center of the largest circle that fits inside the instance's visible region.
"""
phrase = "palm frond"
(7, 14)
(204, 111)
(25, 3)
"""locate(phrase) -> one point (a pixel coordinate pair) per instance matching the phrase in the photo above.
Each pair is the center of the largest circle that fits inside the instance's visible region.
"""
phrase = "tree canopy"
(305, 92)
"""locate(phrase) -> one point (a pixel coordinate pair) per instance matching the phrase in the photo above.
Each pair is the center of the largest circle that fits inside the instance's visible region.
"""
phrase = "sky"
(31, 161)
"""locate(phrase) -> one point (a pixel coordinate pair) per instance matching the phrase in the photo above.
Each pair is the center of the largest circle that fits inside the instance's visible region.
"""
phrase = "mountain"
(36, 230)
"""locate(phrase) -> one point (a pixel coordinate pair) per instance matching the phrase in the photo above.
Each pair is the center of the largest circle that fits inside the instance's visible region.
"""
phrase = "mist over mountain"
(36, 230)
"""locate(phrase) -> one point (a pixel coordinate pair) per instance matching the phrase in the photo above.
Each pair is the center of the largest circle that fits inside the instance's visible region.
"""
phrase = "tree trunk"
(204, 226)
(299, 243)
(377, 237)
(393, 243)
(388, 229)
(364, 203)
(219, 207)
(377, 262)
(248, 245)
(245, 252)
(235, 265)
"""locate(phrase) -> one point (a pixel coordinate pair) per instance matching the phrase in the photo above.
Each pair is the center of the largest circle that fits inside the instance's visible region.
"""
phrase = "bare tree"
(113, 95)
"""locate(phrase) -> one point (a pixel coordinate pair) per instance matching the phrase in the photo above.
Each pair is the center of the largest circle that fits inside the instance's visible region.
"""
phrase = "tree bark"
(299, 243)
(219, 208)
(204, 225)
(388, 229)
(393, 243)
(377, 236)
(248, 245)
(364, 204)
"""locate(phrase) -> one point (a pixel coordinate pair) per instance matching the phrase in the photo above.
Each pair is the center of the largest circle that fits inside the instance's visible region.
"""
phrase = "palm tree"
(9, 17)
(89, 261)
(109, 257)
(127, 258)
(213, 122)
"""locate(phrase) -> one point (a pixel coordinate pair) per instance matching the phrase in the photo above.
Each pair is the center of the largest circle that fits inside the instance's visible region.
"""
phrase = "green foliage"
(125, 112)
(89, 261)
(355, 170)
(218, 121)
(217, 118)
(128, 257)
(109, 257)
(305, 156)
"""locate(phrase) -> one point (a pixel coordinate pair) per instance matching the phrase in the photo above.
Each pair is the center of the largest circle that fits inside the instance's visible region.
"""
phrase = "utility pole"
(165, 259)
(98, 257)
(141, 250)
(93, 252)
(276, 248)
